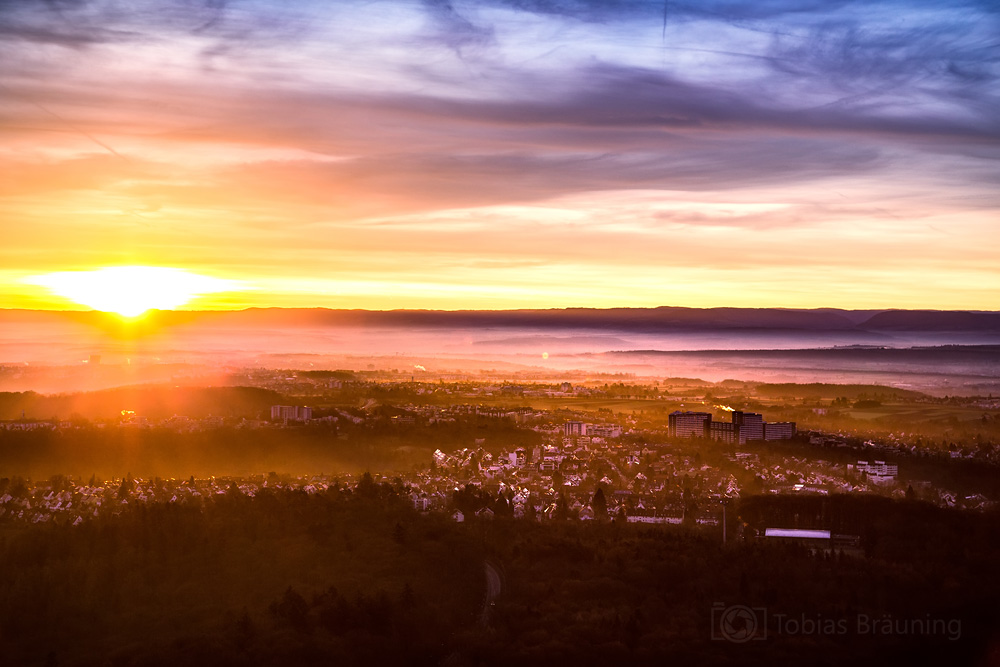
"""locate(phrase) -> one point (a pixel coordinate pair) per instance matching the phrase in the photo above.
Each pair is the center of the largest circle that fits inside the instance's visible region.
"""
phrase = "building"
(689, 424)
(295, 413)
(603, 430)
(574, 428)
(724, 431)
(878, 472)
(779, 430)
(751, 425)
(811, 538)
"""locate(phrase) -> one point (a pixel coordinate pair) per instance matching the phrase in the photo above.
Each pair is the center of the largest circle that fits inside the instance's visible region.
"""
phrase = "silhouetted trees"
(600, 505)
(353, 575)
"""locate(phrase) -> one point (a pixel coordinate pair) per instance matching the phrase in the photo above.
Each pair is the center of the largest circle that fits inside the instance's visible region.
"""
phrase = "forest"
(377, 444)
(356, 576)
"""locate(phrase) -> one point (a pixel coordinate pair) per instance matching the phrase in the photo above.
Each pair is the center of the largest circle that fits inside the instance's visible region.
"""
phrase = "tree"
(562, 507)
(292, 608)
(366, 487)
(600, 505)
(126, 488)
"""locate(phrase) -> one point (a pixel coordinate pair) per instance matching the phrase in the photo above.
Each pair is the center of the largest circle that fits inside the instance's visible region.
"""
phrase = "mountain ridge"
(663, 318)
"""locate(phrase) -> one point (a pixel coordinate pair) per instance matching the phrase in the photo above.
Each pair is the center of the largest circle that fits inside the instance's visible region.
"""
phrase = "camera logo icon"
(738, 623)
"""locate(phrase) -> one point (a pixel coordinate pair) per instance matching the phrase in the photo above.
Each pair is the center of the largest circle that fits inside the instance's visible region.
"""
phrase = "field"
(919, 413)
(584, 404)
(913, 412)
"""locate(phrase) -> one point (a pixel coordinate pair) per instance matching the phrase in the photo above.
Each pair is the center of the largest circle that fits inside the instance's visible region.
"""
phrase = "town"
(533, 463)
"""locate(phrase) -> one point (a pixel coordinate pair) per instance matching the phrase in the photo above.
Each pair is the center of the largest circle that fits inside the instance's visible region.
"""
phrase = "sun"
(131, 290)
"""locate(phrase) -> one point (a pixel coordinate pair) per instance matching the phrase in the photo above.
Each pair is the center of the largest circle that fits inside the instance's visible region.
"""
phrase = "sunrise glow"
(131, 290)
(499, 332)
(495, 155)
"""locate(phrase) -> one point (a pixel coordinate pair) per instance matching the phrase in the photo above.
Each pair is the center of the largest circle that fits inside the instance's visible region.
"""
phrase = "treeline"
(378, 443)
(147, 453)
(354, 576)
(154, 402)
(818, 390)
(282, 578)
(901, 531)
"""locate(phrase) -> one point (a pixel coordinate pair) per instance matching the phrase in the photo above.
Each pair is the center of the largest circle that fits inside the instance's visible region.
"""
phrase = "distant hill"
(932, 320)
(647, 320)
(154, 402)
(817, 390)
(627, 319)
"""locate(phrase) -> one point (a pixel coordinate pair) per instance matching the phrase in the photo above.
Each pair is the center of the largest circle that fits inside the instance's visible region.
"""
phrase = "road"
(494, 586)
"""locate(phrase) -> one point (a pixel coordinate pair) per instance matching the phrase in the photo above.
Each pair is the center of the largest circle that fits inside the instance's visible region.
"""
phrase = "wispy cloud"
(495, 136)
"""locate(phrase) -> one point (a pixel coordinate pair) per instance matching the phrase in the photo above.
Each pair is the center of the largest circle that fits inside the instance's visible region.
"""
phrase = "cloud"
(455, 29)
(501, 137)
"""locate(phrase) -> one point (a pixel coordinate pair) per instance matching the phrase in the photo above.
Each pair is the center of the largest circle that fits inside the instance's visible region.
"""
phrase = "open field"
(919, 413)
(585, 403)
(914, 412)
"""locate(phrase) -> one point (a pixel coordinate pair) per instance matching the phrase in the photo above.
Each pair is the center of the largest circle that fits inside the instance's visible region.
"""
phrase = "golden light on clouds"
(396, 155)
(130, 291)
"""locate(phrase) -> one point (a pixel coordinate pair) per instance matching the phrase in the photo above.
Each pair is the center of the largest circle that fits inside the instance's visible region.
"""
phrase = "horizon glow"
(499, 154)
(130, 291)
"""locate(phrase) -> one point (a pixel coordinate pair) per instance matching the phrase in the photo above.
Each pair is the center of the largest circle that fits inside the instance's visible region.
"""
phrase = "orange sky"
(504, 155)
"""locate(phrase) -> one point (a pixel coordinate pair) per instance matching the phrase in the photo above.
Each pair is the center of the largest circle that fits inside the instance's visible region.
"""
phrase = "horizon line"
(492, 310)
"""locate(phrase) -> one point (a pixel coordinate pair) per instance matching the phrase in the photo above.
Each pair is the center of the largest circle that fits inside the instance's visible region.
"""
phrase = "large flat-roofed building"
(724, 432)
(751, 425)
(296, 413)
(689, 424)
(779, 430)
(797, 534)
(574, 428)
(604, 430)
(878, 472)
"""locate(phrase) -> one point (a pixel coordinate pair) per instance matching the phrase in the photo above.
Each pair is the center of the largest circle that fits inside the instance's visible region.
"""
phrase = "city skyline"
(496, 155)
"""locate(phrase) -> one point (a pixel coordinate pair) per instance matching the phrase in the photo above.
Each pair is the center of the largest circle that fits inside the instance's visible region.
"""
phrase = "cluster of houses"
(644, 476)
(64, 501)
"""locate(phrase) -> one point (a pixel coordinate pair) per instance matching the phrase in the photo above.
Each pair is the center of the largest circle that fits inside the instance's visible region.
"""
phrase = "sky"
(506, 153)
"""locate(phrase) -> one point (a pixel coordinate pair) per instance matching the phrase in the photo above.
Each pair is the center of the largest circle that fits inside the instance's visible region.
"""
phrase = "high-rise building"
(779, 430)
(724, 431)
(689, 424)
(751, 425)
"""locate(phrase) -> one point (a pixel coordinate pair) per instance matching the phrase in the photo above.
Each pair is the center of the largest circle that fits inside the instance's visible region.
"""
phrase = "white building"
(878, 472)
(296, 413)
